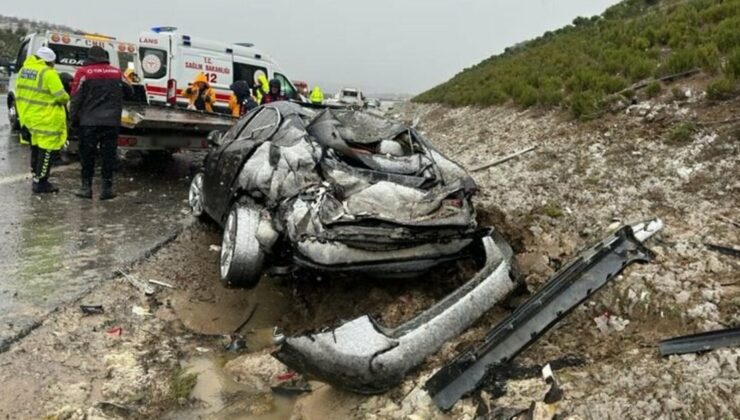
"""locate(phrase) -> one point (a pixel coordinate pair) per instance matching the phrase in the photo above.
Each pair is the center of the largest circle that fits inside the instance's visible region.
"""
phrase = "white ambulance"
(71, 51)
(171, 60)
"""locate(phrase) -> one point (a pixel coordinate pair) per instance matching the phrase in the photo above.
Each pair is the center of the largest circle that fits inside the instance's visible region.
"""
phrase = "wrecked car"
(333, 190)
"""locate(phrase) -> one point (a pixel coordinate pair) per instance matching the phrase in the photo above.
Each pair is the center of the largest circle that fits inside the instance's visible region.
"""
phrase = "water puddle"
(217, 395)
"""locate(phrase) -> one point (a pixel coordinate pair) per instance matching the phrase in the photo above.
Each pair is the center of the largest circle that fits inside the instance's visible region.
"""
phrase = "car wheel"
(241, 256)
(195, 196)
(15, 124)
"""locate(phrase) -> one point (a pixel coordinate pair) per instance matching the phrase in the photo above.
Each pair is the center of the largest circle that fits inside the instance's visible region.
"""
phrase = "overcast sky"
(382, 46)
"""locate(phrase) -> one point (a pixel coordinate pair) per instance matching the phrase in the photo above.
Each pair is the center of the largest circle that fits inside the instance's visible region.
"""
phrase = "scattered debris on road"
(503, 159)
(726, 250)
(140, 285)
(607, 323)
(139, 311)
(92, 309)
(114, 331)
(701, 342)
(291, 383)
(161, 283)
(236, 343)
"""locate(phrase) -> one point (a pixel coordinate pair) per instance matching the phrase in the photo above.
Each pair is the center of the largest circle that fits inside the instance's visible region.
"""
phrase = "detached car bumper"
(365, 357)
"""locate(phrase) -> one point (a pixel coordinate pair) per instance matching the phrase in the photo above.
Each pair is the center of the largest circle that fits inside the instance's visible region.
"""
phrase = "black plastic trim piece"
(565, 290)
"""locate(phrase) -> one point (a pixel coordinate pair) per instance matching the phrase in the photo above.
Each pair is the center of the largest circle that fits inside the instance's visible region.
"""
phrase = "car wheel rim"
(12, 113)
(227, 245)
(195, 196)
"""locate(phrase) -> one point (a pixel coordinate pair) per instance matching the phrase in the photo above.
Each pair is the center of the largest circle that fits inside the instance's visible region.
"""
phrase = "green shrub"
(653, 89)
(584, 104)
(732, 67)
(525, 95)
(723, 88)
(726, 34)
(682, 133)
(710, 58)
(680, 61)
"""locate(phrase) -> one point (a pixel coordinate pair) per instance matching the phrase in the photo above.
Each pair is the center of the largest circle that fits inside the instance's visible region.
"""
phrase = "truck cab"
(351, 97)
(71, 51)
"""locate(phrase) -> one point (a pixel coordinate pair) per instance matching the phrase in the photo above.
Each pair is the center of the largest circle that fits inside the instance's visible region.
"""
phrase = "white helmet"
(46, 54)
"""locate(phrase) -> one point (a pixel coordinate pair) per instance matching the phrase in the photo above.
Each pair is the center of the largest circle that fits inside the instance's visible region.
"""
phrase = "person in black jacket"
(97, 102)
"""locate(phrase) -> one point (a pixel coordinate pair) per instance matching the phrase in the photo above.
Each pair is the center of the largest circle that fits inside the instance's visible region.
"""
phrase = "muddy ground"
(169, 359)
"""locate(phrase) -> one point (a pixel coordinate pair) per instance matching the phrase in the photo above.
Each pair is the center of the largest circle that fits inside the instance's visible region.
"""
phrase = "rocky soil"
(584, 178)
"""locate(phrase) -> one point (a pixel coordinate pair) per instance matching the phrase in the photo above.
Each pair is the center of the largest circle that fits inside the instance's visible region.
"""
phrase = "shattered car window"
(262, 126)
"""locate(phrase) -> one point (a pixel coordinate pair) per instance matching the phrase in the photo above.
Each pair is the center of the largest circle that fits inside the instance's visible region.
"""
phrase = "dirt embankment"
(625, 166)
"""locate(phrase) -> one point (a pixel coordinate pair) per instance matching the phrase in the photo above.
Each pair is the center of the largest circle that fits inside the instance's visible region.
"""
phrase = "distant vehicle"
(171, 60)
(373, 103)
(71, 50)
(352, 97)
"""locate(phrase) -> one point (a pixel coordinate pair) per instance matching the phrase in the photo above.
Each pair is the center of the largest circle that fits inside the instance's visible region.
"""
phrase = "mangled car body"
(333, 190)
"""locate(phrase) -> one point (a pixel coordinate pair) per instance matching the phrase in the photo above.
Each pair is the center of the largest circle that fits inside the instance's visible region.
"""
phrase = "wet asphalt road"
(55, 247)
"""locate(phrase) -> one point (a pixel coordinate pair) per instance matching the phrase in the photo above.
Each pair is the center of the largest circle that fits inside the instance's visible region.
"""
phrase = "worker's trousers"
(40, 164)
(90, 139)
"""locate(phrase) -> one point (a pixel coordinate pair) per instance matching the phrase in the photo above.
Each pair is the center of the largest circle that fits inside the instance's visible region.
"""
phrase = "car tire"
(242, 258)
(195, 197)
(15, 124)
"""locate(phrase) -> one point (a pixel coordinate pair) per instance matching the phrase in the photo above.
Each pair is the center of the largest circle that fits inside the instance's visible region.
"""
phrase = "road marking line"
(10, 179)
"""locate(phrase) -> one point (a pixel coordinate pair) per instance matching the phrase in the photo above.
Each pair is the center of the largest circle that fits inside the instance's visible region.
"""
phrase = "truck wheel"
(15, 124)
(241, 256)
(195, 197)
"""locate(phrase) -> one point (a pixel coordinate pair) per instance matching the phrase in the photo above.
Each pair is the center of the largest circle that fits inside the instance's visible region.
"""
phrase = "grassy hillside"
(581, 66)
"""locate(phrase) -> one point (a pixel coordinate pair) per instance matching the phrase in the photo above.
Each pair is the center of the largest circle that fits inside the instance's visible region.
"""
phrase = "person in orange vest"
(201, 94)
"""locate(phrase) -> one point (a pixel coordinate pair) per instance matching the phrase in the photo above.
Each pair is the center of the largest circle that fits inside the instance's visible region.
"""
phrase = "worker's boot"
(85, 189)
(43, 187)
(107, 191)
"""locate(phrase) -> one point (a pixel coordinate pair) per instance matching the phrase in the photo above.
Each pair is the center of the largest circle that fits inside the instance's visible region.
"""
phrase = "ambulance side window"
(288, 90)
(153, 62)
(247, 72)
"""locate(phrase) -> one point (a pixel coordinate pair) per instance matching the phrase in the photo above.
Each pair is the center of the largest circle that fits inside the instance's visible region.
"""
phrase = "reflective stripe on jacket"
(40, 99)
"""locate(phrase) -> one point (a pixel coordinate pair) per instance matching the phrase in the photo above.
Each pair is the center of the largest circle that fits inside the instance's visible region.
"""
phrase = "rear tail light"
(126, 141)
(172, 92)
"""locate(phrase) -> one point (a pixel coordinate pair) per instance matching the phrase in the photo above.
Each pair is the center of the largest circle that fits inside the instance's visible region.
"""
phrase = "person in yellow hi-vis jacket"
(261, 87)
(317, 96)
(40, 98)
